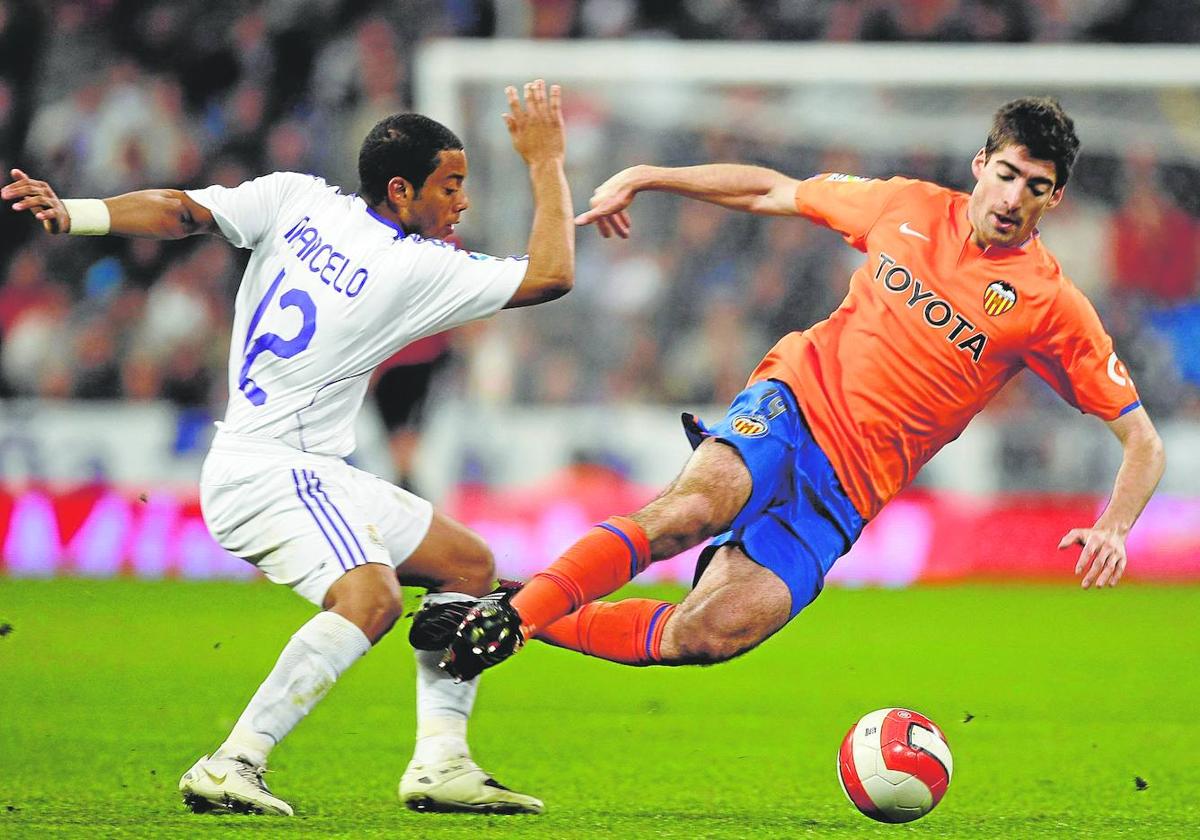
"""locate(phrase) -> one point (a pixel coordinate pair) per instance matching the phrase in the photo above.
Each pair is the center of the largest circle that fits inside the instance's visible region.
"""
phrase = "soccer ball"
(895, 765)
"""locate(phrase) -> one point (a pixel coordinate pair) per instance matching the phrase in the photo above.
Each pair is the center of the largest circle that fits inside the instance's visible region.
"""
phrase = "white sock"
(310, 663)
(443, 705)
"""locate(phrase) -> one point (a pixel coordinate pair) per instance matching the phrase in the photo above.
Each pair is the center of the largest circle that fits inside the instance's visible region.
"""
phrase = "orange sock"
(628, 631)
(601, 562)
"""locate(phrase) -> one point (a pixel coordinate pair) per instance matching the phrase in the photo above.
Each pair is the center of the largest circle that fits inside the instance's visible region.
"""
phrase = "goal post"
(442, 64)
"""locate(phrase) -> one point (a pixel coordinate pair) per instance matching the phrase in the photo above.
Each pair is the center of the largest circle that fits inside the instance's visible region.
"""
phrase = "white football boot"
(460, 785)
(229, 784)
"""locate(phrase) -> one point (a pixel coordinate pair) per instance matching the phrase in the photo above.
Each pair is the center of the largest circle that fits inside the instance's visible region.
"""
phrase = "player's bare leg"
(456, 565)
(700, 503)
(736, 605)
(360, 607)
(369, 597)
(451, 558)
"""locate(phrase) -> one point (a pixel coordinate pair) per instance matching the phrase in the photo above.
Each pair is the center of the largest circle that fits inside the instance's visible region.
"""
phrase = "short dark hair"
(1040, 124)
(407, 145)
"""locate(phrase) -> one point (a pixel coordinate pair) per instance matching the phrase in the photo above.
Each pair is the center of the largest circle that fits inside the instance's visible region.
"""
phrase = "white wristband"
(89, 216)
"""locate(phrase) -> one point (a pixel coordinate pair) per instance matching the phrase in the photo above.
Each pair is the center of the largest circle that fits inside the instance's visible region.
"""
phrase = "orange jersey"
(931, 329)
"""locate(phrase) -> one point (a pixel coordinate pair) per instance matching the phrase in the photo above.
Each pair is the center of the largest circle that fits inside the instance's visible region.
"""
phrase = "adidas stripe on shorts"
(305, 520)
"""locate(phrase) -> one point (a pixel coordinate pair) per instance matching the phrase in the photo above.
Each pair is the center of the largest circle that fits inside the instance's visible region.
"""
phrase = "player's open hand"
(38, 198)
(536, 127)
(1103, 555)
(608, 205)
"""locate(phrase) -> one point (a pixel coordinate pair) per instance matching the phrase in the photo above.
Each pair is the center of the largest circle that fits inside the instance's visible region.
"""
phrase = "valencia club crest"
(999, 297)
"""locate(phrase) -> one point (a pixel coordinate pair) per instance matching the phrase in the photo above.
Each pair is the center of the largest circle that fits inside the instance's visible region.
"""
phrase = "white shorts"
(305, 520)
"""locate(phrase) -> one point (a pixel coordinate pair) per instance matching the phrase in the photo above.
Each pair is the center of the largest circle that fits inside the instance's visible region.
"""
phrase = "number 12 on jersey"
(274, 344)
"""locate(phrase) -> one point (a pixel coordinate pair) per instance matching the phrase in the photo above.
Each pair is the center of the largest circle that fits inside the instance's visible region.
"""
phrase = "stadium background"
(112, 352)
(1070, 714)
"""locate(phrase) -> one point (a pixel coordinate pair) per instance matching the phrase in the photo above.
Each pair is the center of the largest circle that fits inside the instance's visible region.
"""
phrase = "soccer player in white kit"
(335, 285)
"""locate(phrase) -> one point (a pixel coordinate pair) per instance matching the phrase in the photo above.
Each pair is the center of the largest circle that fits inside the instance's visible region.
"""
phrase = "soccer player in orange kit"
(957, 296)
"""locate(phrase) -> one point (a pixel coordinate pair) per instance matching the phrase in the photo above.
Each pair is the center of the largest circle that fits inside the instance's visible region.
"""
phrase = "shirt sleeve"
(451, 287)
(847, 203)
(1075, 355)
(246, 214)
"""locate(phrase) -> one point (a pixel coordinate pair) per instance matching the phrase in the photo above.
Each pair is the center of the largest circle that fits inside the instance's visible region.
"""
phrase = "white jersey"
(331, 291)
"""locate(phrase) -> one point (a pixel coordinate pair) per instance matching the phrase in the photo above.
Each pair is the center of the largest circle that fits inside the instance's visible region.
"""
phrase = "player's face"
(436, 207)
(1012, 192)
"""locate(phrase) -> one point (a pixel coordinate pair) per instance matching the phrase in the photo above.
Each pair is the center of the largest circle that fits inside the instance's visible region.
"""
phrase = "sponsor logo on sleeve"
(844, 178)
(1117, 371)
(999, 297)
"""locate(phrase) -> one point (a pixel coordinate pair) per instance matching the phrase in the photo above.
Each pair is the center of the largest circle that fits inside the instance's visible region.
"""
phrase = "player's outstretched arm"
(155, 214)
(752, 189)
(1102, 559)
(539, 137)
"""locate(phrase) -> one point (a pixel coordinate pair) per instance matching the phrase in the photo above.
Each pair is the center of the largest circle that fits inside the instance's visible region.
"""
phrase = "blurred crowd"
(842, 20)
(106, 96)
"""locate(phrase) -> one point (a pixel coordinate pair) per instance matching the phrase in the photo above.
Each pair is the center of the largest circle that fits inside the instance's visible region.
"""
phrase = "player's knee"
(372, 601)
(375, 614)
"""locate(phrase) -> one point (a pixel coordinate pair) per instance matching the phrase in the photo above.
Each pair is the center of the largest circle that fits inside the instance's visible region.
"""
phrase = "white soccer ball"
(895, 765)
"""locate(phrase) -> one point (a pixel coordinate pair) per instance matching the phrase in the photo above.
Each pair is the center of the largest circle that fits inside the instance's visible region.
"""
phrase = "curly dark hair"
(1040, 124)
(407, 145)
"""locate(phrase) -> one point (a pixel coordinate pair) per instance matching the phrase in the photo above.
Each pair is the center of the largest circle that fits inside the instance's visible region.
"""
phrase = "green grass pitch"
(110, 689)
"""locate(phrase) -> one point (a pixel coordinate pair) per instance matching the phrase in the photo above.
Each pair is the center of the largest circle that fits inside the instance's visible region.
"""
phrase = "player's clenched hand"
(537, 126)
(38, 198)
(1103, 555)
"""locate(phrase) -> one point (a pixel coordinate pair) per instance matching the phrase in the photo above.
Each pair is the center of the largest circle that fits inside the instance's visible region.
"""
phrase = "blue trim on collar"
(1020, 246)
(1035, 235)
(400, 233)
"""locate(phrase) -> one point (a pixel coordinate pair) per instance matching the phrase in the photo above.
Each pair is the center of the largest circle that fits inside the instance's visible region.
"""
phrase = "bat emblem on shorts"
(748, 425)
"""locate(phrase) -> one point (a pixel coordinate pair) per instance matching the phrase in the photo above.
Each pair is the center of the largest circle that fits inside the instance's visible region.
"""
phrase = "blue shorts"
(798, 520)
